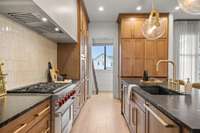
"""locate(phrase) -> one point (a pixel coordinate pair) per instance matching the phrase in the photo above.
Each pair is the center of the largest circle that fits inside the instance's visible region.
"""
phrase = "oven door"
(64, 118)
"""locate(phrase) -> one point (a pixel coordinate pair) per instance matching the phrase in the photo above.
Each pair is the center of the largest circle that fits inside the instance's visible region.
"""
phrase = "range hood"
(27, 13)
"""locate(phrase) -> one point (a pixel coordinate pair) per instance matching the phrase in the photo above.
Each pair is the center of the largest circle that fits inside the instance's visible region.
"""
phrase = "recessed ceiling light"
(177, 8)
(101, 8)
(44, 19)
(56, 29)
(138, 8)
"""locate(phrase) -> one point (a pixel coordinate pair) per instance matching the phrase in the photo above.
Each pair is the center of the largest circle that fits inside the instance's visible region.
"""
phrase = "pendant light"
(153, 27)
(190, 6)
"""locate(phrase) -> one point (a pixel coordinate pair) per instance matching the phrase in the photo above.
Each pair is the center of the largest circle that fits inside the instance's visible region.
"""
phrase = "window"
(187, 49)
(188, 58)
(102, 56)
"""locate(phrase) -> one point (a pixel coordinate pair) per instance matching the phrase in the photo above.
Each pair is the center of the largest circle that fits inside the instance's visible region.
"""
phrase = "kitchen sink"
(158, 90)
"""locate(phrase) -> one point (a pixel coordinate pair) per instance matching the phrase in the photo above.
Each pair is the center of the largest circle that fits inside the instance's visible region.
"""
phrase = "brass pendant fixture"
(190, 6)
(153, 27)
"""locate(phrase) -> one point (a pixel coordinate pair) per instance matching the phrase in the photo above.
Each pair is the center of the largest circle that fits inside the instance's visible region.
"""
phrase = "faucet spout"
(167, 61)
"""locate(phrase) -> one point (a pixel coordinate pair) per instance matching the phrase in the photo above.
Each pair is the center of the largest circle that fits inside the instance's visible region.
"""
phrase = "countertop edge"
(23, 112)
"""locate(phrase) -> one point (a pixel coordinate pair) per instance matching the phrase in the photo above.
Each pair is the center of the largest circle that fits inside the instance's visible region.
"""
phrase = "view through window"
(102, 56)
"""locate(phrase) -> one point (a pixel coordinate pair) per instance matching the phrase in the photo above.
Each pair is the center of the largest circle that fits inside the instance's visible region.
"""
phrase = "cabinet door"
(41, 127)
(157, 122)
(126, 28)
(137, 27)
(126, 103)
(140, 120)
(138, 57)
(132, 57)
(165, 23)
(150, 57)
(162, 54)
(126, 57)
(133, 117)
(155, 51)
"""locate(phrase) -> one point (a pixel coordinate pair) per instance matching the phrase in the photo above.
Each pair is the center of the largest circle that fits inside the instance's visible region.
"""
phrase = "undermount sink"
(158, 90)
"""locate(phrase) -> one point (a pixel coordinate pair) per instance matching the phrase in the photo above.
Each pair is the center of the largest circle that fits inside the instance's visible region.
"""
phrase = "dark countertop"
(184, 109)
(14, 105)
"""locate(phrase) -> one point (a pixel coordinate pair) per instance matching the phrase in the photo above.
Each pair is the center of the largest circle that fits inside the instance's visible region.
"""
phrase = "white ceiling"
(114, 7)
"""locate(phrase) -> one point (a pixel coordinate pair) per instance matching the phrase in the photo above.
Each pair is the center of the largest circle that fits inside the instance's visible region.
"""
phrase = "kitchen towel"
(130, 90)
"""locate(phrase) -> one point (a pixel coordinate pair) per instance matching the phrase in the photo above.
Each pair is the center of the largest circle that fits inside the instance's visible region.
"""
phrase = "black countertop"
(15, 105)
(184, 109)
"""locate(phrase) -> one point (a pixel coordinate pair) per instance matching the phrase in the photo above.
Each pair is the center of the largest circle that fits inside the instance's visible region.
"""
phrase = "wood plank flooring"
(101, 114)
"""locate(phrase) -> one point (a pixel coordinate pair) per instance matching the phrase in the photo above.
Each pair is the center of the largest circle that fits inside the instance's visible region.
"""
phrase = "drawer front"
(41, 127)
(157, 121)
(138, 100)
(27, 120)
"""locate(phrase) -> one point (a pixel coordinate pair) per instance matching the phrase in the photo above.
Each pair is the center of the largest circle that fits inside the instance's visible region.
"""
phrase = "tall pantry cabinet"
(136, 52)
(73, 57)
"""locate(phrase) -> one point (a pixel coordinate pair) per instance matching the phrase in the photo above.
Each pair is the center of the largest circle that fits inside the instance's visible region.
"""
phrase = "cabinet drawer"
(138, 100)
(157, 121)
(27, 120)
(41, 127)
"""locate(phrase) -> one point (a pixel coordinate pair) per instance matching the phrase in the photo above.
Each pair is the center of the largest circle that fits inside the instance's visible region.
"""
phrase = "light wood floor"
(101, 114)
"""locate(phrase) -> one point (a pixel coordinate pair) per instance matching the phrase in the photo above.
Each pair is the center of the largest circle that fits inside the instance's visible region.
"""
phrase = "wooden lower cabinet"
(37, 120)
(42, 126)
(137, 119)
(157, 121)
(142, 117)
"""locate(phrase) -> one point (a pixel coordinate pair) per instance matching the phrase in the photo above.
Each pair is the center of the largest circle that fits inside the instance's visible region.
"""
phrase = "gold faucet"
(174, 84)
(2, 81)
(167, 61)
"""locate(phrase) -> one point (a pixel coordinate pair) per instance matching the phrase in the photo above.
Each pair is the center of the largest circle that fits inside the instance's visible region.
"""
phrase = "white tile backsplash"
(25, 54)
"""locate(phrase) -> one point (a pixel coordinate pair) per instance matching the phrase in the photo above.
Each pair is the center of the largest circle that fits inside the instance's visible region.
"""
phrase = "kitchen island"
(183, 110)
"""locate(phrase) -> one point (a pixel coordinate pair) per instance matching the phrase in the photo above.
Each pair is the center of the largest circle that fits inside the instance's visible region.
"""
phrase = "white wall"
(107, 30)
(25, 54)
(105, 80)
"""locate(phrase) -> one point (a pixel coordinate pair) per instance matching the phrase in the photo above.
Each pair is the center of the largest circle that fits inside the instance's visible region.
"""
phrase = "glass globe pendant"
(153, 27)
(190, 6)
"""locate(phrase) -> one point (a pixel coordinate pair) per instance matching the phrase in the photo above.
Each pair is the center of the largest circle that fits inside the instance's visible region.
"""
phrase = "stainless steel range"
(62, 102)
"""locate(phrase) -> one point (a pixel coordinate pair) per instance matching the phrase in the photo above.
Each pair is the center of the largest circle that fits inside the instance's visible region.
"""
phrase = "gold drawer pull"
(21, 127)
(46, 131)
(43, 111)
(157, 117)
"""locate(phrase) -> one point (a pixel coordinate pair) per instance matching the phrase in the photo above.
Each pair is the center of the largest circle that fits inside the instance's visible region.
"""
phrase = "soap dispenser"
(188, 86)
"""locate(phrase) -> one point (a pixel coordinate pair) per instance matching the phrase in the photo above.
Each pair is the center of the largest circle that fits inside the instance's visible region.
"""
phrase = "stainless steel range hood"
(27, 13)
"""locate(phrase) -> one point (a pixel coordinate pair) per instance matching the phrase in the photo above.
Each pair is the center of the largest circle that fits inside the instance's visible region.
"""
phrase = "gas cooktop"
(47, 88)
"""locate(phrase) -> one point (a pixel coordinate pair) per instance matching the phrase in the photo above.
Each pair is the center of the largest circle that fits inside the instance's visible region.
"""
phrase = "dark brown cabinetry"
(137, 53)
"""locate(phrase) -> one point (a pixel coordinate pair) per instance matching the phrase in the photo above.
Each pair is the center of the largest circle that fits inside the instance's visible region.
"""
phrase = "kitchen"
(48, 83)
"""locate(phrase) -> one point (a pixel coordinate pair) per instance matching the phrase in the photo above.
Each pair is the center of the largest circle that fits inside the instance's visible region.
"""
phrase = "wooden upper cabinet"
(126, 57)
(138, 53)
(166, 25)
(137, 27)
(126, 28)
(132, 57)
(155, 51)
(132, 27)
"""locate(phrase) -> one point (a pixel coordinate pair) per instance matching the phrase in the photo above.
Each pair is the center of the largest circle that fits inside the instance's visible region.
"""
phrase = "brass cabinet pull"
(20, 128)
(157, 117)
(43, 111)
(46, 131)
